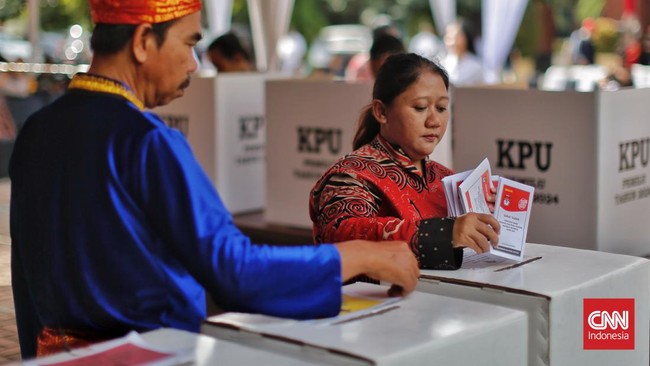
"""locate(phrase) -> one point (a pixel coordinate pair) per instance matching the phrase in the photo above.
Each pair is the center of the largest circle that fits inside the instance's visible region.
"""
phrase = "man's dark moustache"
(186, 83)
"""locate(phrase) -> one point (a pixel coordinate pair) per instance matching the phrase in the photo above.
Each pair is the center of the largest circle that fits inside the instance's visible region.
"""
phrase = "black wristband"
(434, 247)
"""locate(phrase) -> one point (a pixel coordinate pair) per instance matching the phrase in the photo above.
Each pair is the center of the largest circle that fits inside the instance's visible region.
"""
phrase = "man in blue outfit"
(115, 227)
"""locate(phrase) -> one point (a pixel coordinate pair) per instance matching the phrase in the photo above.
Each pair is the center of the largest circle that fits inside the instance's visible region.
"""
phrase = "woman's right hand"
(476, 231)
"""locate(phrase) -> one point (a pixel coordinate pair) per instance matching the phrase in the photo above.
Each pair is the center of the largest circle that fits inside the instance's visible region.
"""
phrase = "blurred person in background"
(583, 51)
(382, 47)
(359, 67)
(228, 54)
(462, 63)
(630, 41)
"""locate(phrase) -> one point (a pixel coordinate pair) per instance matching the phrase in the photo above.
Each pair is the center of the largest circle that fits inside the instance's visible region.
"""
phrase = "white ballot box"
(170, 347)
(422, 329)
(223, 119)
(311, 124)
(586, 154)
(575, 300)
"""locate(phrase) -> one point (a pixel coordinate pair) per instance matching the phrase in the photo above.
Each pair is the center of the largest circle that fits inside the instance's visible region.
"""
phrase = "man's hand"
(476, 231)
(390, 261)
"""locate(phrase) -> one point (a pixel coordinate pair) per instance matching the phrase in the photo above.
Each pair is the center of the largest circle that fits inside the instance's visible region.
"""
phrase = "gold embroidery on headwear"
(141, 11)
(100, 84)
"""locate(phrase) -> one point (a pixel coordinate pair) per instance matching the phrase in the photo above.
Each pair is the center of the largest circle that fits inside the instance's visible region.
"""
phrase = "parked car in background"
(13, 48)
(336, 44)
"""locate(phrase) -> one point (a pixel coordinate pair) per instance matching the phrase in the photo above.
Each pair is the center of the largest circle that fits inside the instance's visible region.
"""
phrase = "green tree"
(240, 12)
(58, 15)
(308, 19)
(10, 9)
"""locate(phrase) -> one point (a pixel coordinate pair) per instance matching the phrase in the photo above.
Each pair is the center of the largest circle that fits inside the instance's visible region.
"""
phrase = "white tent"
(270, 22)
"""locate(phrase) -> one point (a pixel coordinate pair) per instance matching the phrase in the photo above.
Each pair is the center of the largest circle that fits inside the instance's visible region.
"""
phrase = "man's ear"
(143, 39)
(379, 111)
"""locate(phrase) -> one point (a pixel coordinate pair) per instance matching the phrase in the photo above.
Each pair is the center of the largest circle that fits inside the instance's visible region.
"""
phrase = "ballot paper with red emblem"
(474, 189)
(512, 209)
(451, 183)
(468, 191)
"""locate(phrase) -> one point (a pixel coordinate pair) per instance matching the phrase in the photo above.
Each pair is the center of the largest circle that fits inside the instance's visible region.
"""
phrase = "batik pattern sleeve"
(351, 208)
(179, 199)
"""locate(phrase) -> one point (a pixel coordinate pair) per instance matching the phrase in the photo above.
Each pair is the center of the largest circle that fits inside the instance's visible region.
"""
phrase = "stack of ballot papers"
(468, 191)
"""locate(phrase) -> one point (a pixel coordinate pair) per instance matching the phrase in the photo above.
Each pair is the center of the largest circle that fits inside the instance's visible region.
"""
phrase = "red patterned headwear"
(141, 11)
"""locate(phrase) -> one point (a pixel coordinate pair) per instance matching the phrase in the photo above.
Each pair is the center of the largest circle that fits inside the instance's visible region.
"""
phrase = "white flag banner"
(501, 20)
(444, 13)
(219, 13)
(269, 22)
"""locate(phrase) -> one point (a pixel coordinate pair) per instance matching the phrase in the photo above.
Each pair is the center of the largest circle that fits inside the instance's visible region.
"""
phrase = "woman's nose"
(433, 120)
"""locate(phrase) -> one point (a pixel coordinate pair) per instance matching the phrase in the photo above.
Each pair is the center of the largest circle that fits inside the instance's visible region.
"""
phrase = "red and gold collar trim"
(398, 155)
(101, 84)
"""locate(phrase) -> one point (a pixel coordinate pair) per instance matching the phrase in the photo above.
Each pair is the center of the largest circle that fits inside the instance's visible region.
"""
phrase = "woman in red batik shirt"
(388, 189)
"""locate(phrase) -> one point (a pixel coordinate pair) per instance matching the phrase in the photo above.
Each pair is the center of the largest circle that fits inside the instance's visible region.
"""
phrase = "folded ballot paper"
(467, 191)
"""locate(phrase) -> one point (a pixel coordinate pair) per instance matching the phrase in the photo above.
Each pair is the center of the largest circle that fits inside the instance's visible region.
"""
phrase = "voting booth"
(421, 329)
(565, 292)
(168, 346)
(311, 124)
(586, 154)
(224, 121)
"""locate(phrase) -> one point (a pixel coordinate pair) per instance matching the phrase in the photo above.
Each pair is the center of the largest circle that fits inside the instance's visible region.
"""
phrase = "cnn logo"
(602, 319)
(608, 324)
